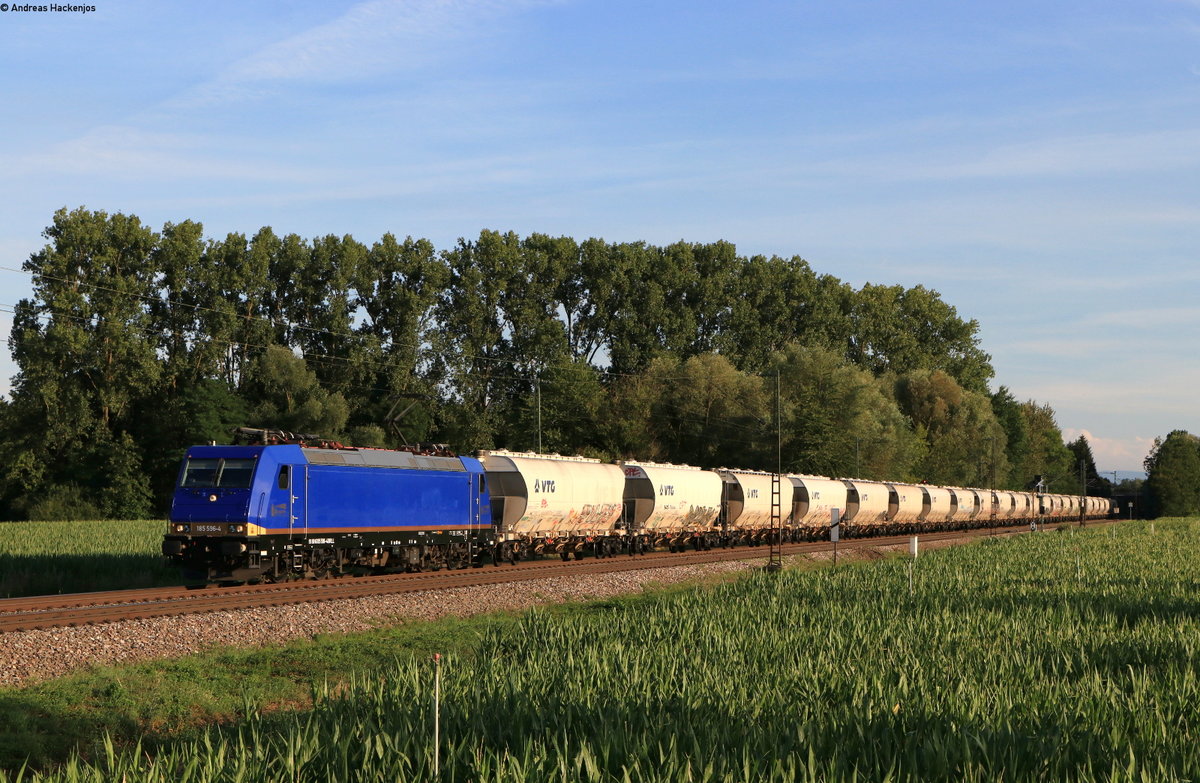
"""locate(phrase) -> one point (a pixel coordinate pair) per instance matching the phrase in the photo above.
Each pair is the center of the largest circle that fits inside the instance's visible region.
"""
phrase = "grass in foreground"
(44, 558)
(1057, 656)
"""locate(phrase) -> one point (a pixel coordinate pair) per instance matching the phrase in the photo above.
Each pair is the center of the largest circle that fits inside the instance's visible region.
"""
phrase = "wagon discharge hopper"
(962, 506)
(1006, 505)
(980, 501)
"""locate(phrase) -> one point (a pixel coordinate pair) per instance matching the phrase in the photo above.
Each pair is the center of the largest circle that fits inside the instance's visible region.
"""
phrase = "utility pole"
(1082, 489)
(538, 386)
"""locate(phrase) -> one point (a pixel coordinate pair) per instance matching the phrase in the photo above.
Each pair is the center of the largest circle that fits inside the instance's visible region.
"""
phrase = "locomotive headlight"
(212, 498)
(182, 528)
(237, 528)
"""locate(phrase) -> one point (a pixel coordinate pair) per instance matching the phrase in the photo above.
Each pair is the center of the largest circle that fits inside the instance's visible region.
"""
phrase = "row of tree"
(137, 343)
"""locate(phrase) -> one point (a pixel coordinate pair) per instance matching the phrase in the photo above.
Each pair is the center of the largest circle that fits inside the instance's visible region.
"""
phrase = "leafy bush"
(64, 503)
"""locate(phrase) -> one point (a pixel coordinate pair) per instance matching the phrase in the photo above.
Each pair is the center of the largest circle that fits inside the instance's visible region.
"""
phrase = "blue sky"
(1038, 164)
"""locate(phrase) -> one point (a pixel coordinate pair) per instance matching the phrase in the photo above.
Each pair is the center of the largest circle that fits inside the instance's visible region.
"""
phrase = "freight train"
(294, 507)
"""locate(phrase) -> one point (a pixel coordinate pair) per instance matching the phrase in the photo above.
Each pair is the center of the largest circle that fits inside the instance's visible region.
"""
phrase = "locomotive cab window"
(283, 477)
(224, 473)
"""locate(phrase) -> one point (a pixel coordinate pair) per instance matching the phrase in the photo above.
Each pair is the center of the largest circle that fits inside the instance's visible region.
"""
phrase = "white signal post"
(835, 530)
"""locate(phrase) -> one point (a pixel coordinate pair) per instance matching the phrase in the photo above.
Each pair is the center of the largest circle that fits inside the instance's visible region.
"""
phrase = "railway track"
(55, 611)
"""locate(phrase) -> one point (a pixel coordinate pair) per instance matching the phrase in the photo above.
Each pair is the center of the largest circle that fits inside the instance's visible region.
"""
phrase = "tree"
(639, 308)
(1173, 475)
(285, 394)
(83, 342)
(898, 330)
(471, 345)
(838, 420)
(320, 305)
(1047, 455)
(772, 305)
(965, 443)
(573, 411)
(126, 494)
(85, 347)
(398, 290)
(203, 411)
(1008, 413)
(707, 413)
(1093, 483)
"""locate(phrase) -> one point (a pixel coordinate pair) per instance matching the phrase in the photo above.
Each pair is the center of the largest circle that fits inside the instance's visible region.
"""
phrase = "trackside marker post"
(437, 700)
(835, 531)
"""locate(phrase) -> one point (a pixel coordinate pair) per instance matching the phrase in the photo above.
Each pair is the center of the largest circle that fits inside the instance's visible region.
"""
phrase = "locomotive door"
(298, 501)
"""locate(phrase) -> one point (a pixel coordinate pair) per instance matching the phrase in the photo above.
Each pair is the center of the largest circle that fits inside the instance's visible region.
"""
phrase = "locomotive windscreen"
(227, 473)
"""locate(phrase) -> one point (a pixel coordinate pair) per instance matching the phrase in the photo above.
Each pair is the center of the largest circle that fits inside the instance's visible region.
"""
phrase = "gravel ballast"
(30, 656)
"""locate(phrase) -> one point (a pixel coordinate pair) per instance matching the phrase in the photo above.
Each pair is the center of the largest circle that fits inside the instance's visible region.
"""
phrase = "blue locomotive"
(280, 510)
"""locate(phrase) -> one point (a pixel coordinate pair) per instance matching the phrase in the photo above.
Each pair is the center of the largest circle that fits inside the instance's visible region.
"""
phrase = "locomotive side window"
(283, 476)
(227, 473)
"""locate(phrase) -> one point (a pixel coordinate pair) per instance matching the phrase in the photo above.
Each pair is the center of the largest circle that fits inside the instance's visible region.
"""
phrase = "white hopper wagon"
(540, 500)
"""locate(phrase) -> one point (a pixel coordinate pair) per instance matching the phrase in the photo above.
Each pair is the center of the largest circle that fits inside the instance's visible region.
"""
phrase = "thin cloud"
(372, 38)
(1124, 391)
(1059, 156)
(133, 153)
(1144, 318)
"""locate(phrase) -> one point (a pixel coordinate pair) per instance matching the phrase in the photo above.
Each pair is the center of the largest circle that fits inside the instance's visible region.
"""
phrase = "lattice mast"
(775, 559)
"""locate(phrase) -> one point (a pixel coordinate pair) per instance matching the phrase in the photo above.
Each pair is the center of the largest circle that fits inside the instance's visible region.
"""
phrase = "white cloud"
(1113, 453)
(1158, 394)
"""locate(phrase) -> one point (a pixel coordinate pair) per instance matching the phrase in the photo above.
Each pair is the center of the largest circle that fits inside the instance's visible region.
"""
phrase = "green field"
(43, 558)
(1060, 656)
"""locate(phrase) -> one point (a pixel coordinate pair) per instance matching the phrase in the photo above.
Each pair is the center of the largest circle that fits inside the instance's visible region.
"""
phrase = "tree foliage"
(1093, 483)
(1173, 475)
(965, 444)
